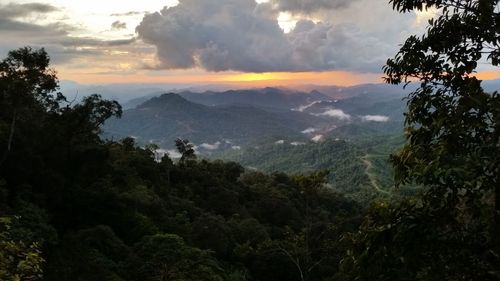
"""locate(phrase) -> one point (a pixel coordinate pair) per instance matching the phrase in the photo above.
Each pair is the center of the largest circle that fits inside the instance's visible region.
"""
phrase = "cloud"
(336, 113)
(174, 154)
(304, 107)
(241, 35)
(69, 41)
(280, 142)
(309, 131)
(375, 118)
(217, 35)
(128, 14)
(14, 27)
(309, 6)
(117, 25)
(13, 10)
(55, 36)
(208, 146)
(297, 143)
(317, 138)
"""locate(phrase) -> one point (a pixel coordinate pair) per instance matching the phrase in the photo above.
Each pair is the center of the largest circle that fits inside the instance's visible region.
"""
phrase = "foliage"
(452, 123)
(452, 129)
(186, 149)
(109, 210)
(412, 241)
(19, 260)
(340, 158)
(346, 160)
(167, 257)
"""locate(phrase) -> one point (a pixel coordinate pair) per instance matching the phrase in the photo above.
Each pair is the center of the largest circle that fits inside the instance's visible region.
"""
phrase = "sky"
(243, 42)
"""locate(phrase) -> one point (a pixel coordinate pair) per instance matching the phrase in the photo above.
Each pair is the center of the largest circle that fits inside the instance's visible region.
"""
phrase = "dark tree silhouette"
(452, 124)
(186, 149)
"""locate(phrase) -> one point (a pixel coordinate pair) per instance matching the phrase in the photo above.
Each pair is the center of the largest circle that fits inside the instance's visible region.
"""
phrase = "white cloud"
(241, 35)
(375, 118)
(297, 143)
(215, 35)
(309, 130)
(317, 138)
(208, 146)
(117, 25)
(174, 154)
(236, 147)
(335, 113)
(304, 107)
(280, 142)
(309, 6)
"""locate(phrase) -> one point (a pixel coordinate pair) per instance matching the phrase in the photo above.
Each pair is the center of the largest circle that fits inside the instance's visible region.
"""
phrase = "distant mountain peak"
(166, 100)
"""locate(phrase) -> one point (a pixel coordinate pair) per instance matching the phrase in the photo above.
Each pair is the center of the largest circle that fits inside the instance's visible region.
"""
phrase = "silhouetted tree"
(452, 124)
(27, 86)
(186, 149)
(452, 150)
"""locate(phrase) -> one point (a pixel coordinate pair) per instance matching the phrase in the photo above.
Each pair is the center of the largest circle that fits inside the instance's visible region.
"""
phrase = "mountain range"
(231, 119)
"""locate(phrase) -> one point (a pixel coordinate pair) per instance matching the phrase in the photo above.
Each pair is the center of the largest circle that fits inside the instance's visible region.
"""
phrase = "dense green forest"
(358, 167)
(76, 207)
(79, 208)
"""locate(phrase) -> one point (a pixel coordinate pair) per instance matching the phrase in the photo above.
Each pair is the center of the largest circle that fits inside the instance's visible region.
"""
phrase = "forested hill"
(75, 207)
(358, 167)
(169, 116)
(243, 117)
(269, 99)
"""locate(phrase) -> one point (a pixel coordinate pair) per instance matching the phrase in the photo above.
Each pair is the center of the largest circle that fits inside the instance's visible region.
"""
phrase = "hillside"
(269, 99)
(162, 119)
(224, 120)
(357, 167)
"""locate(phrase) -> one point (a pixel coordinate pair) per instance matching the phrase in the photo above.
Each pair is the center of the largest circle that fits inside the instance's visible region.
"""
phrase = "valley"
(349, 133)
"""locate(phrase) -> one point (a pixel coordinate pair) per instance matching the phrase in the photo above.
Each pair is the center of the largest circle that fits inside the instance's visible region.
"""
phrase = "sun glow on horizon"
(340, 78)
(488, 75)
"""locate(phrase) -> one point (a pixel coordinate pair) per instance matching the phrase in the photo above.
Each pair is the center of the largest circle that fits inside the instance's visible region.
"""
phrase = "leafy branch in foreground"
(453, 149)
(452, 124)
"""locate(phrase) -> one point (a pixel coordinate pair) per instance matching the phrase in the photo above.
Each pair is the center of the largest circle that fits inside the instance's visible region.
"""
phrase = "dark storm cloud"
(309, 6)
(13, 10)
(219, 35)
(128, 14)
(92, 42)
(117, 25)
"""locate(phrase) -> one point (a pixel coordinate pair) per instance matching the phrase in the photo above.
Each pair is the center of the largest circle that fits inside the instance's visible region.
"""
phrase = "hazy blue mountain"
(338, 92)
(133, 103)
(492, 85)
(162, 119)
(271, 99)
(223, 120)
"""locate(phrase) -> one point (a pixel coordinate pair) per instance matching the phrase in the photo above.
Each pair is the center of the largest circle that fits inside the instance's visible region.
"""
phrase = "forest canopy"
(74, 206)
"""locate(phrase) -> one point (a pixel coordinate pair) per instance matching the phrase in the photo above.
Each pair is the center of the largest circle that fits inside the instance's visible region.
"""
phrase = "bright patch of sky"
(113, 41)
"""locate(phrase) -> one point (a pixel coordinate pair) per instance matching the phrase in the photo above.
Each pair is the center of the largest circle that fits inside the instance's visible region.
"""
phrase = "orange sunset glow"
(340, 78)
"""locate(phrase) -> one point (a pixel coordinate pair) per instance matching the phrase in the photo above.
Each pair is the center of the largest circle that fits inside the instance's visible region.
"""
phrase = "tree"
(18, 260)
(452, 149)
(452, 123)
(164, 257)
(27, 86)
(186, 149)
